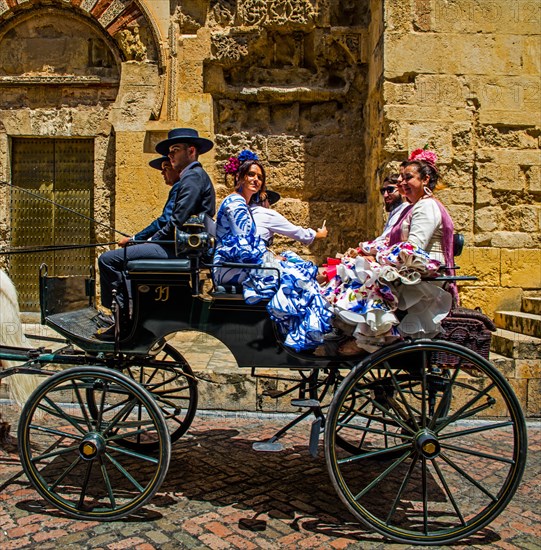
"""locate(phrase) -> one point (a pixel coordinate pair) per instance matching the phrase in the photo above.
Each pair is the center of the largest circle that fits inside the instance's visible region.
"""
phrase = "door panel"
(47, 171)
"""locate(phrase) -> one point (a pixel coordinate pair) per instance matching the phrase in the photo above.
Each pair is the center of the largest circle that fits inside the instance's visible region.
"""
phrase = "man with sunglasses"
(394, 202)
(195, 195)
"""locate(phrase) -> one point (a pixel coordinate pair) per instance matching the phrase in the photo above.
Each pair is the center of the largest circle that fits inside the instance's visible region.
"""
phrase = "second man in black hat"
(195, 195)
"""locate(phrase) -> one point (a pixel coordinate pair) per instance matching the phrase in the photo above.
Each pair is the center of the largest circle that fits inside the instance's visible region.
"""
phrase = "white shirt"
(392, 219)
(424, 228)
(268, 222)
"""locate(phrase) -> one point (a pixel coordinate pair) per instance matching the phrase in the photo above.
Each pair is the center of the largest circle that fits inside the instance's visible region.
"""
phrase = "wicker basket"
(468, 327)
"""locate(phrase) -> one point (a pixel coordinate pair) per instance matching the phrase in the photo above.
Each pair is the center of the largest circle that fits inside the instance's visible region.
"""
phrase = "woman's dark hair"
(425, 169)
(244, 168)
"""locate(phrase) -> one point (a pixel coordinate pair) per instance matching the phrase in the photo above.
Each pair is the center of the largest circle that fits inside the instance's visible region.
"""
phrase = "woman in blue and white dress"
(295, 303)
(236, 236)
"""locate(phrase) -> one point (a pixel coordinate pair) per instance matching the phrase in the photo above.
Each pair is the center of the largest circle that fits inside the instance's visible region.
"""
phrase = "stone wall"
(464, 78)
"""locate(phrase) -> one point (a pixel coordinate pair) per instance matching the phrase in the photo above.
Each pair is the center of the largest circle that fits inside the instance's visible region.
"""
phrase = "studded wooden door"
(45, 173)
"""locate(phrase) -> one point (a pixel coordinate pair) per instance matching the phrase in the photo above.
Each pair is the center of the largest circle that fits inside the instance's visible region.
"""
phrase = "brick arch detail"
(111, 15)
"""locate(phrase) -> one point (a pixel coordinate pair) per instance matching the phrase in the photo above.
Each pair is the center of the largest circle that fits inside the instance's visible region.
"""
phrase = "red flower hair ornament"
(424, 154)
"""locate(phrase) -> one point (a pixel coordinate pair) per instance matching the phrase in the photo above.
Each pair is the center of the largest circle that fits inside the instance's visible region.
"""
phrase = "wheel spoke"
(461, 414)
(425, 494)
(124, 472)
(82, 406)
(84, 485)
(62, 415)
(66, 472)
(476, 430)
(108, 485)
(60, 452)
(404, 401)
(464, 474)
(448, 492)
(477, 454)
(424, 392)
(383, 475)
(403, 485)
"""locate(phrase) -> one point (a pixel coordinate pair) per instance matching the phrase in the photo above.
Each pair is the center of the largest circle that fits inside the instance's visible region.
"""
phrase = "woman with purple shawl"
(367, 294)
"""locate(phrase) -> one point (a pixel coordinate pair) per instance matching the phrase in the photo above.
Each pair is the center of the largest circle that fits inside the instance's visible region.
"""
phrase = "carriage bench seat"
(182, 265)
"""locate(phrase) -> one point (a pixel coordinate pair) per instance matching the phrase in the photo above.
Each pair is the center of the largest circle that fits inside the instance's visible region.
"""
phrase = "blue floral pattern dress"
(237, 240)
(295, 302)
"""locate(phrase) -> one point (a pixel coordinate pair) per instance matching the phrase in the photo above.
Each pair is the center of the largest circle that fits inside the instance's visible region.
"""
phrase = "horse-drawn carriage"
(401, 426)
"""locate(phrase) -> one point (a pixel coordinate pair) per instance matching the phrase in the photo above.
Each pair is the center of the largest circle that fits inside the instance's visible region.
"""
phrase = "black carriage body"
(165, 302)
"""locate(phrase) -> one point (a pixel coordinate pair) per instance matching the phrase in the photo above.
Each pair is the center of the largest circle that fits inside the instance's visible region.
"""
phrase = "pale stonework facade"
(330, 93)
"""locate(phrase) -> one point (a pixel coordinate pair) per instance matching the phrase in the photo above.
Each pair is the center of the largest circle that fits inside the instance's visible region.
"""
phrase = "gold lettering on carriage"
(162, 294)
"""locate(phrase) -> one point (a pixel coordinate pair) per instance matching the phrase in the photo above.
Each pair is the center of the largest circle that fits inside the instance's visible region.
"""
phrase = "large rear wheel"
(436, 442)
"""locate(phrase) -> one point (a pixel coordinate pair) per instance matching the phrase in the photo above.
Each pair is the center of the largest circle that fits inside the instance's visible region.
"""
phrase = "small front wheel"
(75, 459)
(436, 442)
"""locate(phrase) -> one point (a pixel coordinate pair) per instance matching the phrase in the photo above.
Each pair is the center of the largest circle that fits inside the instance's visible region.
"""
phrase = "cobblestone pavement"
(219, 493)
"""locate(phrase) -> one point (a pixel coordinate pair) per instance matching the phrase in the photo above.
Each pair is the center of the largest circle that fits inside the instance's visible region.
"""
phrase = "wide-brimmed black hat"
(157, 163)
(184, 135)
(272, 196)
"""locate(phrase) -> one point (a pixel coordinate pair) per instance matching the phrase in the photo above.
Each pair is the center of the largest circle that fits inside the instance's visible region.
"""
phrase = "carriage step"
(305, 403)
(267, 446)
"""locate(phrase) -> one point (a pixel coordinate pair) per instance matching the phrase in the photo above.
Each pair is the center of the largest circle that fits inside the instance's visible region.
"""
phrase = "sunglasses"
(389, 189)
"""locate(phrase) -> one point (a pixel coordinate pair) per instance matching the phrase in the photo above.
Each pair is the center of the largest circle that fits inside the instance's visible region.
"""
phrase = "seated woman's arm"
(282, 226)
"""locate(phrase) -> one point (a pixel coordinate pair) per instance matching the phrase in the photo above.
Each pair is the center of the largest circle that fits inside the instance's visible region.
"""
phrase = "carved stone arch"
(129, 28)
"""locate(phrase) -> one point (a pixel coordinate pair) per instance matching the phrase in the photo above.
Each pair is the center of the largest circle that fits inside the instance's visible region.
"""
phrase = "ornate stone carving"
(113, 11)
(131, 44)
(187, 24)
(87, 5)
(226, 48)
(350, 43)
(221, 12)
(276, 12)
(3, 6)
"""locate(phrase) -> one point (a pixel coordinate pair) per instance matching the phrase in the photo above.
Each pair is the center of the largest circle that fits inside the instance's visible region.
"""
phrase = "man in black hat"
(195, 195)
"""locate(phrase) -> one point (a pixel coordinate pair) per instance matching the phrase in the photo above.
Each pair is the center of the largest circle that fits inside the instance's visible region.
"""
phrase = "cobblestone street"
(219, 493)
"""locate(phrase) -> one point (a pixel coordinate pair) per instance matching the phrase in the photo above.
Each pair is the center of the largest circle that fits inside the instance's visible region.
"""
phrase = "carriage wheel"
(440, 442)
(75, 461)
(172, 383)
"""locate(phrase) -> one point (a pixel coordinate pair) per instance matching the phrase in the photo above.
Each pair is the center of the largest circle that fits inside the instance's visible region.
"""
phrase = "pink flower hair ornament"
(232, 165)
(424, 154)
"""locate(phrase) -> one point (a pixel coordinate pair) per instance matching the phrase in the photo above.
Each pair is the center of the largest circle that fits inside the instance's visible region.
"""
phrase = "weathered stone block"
(506, 137)
(509, 156)
(521, 267)
(533, 179)
(438, 90)
(487, 219)
(462, 217)
(522, 218)
(425, 113)
(483, 263)
(285, 149)
(505, 365)
(533, 408)
(504, 93)
(195, 111)
(509, 239)
(528, 368)
(426, 53)
(506, 177)
(399, 93)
